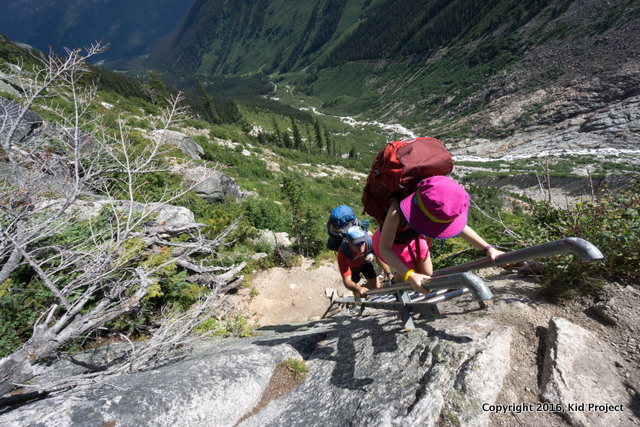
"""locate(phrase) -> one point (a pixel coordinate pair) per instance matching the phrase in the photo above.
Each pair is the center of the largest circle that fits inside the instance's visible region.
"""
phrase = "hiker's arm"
(385, 267)
(353, 286)
(478, 242)
(387, 236)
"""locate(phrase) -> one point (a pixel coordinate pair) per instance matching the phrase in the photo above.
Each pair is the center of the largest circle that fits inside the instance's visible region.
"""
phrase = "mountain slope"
(240, 36)
(435, 67)
(469, 72)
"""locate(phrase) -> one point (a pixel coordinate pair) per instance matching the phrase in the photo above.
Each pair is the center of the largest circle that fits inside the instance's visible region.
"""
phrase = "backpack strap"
(345, 250)
(369, 245)
(415, 257)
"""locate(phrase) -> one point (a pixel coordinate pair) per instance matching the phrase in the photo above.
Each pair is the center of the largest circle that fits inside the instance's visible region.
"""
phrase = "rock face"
(36, 131)
(575, 364)
(164, 214)
(470, 368)
(362, 371)
(30, 122)
(378, 375)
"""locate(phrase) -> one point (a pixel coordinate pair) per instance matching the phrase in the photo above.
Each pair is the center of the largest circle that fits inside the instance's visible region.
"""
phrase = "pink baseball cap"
(438, 208)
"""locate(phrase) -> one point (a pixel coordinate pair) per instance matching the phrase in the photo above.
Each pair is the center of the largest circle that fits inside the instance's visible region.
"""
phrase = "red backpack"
(397, 170)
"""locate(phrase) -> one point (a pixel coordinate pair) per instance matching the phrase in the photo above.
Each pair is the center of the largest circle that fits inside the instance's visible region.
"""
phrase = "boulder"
(187, 145)
(213, 186)
(171, 215)
(579, 377)
(273, 239)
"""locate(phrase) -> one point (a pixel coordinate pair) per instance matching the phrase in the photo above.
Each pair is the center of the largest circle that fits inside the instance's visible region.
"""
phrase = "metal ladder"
(451, 282)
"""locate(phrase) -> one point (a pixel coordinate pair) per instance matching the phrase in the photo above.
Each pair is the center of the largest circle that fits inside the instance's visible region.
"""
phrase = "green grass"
(297, 366)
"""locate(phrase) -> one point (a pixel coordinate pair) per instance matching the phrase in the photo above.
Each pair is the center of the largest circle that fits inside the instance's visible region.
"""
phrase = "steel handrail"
(452, 281)
(586, 251)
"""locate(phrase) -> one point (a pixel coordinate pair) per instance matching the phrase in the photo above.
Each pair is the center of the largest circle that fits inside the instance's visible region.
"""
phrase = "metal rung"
(454, 281)
(390, 301)
(403, 298)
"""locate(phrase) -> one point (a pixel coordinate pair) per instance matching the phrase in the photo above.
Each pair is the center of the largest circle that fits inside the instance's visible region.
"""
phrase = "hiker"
(438, 210)
(355, 259)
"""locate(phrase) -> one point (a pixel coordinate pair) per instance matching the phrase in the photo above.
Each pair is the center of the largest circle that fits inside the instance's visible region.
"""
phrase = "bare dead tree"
(170, 341)
(93, 281)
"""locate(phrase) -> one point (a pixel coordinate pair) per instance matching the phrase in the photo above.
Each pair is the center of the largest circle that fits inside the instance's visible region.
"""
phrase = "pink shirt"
(401, 249)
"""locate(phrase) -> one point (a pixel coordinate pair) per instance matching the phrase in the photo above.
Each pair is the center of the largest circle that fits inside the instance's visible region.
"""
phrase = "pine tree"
(158, 89)
(209, 106)
(318, 132)
(331, 148)
(297, 138)
(308, 141)
(286, 140)
(277, 133)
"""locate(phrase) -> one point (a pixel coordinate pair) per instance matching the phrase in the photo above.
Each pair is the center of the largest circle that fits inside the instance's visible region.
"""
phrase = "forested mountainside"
(230, 37)
(131, 27)
(460, 70)
(436, 66)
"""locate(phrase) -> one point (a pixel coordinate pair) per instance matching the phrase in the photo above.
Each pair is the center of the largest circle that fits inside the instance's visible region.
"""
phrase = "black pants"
(367, 270)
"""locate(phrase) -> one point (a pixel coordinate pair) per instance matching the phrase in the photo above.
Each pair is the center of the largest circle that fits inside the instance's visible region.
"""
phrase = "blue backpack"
(340, 220)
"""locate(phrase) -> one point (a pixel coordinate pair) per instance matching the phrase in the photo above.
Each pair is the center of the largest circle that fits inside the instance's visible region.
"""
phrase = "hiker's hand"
(363, 292)
(390, 278)
(492, 253)
(416, 279)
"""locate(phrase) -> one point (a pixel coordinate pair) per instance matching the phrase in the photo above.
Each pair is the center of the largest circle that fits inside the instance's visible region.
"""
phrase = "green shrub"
(21, 301)
(213, 327)
(264, 214)
(611, 223)
(240, 326)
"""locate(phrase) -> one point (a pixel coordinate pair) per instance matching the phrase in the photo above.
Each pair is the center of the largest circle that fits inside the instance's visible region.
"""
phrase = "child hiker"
(438, 210)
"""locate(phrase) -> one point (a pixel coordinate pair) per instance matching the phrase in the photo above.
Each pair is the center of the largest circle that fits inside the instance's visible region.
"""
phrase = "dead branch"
(170, 341)
(507, 230)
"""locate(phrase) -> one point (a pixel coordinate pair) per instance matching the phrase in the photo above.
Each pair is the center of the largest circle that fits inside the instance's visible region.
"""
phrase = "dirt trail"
(290, 295)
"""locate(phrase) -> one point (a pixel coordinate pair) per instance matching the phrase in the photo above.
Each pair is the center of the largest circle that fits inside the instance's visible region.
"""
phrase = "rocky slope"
(473, 367)
(577, 92)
